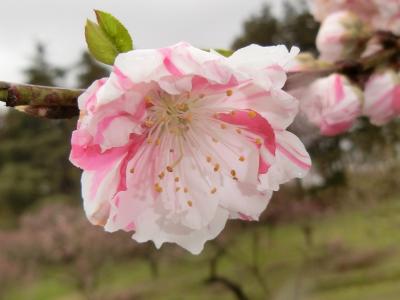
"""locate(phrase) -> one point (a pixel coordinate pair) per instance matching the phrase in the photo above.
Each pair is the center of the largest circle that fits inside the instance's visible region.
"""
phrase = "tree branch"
(41, 101)
(60, 103)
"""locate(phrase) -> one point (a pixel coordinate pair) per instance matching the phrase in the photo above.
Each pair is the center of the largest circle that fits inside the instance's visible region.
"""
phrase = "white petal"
(98, 188)
(148, 228)
(255, 57)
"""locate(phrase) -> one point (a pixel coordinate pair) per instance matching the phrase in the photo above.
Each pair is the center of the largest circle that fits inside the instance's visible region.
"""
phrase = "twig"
(230, 285)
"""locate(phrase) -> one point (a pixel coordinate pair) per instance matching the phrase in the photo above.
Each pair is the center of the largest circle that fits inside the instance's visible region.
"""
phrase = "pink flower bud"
(332, 104)
(342, 36)
(382, 97)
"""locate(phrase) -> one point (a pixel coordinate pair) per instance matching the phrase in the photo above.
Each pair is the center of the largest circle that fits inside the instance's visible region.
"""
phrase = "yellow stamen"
(190, 203)
(229, 93)
(241, 158)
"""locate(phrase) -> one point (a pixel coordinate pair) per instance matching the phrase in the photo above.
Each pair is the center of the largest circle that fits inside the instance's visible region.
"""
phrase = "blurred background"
(334, 235)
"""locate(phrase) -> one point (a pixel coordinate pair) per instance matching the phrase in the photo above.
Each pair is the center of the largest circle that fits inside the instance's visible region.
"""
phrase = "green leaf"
(115, 31)
(99, 44)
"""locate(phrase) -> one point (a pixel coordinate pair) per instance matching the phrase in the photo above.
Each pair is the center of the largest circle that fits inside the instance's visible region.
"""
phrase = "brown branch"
(24, 94)
(59, 103)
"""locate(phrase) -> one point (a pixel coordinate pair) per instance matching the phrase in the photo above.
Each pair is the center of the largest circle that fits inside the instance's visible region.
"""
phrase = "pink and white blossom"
(332, 104)
(179, 140)
(382, 97)
(342, 36)
(365, 9)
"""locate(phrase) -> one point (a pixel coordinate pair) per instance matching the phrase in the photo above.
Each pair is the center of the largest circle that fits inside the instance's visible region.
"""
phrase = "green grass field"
(354, 255)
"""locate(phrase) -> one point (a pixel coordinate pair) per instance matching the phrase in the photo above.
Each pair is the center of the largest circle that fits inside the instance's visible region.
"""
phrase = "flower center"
(169, 114)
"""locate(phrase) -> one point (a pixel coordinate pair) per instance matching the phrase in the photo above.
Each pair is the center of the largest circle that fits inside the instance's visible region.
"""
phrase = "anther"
(223, 126)
(216, 167)
(209, 159)
(132, 170)
(229, 93)
(158, 188)
(183, 107)
(233, 173)
(176, 179)
(161, 175)
(238, 130)
(214, 190)
(170, 169)
(258, 141)
(190, 203)
(252, 114)
(148, 123)
(185, 190)
(241, 158)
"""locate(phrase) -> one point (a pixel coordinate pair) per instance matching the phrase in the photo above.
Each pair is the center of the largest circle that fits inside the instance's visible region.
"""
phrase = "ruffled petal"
(291, 161)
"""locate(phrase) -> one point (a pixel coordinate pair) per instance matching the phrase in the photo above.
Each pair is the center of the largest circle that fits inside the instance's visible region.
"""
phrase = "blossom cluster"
(178, 140)
(348, 32)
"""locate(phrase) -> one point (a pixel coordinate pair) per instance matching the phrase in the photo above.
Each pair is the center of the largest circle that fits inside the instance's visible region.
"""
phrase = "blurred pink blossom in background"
(332, 104)
(382, 97)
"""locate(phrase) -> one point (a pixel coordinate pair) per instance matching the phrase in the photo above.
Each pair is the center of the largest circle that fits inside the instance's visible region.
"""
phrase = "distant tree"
(295, 27)
(34, 152)
(89, 70)
(41, 71)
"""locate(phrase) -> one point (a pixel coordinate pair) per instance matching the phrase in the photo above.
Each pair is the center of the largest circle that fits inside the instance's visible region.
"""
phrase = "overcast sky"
(152, 23)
